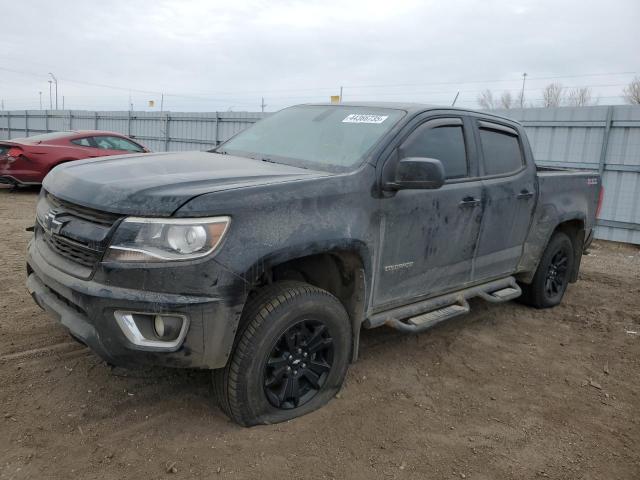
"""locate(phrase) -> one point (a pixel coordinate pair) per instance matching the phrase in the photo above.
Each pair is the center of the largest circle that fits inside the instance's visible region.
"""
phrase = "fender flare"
(357, 305)
(527, 276)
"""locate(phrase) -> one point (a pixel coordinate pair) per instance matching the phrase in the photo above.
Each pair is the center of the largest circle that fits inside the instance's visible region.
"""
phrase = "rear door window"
(501, 150)
(116, 143)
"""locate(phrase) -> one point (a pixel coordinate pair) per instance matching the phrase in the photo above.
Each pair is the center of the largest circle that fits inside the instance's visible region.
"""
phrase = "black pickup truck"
(264, 258)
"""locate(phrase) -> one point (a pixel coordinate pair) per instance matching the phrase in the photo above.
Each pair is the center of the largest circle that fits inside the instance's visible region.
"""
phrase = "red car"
(26, 161)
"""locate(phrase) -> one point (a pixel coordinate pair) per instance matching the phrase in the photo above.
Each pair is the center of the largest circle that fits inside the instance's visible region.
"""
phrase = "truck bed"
(562, 194)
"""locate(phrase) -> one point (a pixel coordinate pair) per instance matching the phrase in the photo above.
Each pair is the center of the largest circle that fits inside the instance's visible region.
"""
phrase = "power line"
(466, 82)
(389, 85)
(294, 97)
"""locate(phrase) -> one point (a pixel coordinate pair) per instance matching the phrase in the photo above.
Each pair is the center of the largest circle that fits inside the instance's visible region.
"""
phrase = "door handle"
(525, 194)
(469, 202)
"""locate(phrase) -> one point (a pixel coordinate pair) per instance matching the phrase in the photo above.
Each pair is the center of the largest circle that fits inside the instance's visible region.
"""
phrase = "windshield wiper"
(268, 160)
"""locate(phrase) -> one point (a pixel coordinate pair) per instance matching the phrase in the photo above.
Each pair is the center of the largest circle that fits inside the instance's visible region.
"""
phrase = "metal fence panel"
(159, 131)
(604, 138)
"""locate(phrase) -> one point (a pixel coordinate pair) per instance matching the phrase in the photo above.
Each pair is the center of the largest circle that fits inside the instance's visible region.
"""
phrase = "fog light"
(153, 331)
(167, 327)
(158, 323)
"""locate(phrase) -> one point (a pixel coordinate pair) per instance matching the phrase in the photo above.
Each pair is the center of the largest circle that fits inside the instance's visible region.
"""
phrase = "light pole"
(50, 99)
(40, 93)
(55, 80)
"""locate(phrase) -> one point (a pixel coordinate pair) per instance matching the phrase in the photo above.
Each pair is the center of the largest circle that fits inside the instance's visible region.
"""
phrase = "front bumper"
(87, 307)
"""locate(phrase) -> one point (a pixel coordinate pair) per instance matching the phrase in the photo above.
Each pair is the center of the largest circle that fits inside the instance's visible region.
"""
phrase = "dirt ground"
(507, 392)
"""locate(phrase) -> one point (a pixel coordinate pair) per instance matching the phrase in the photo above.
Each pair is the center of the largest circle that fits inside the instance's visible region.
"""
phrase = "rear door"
(428, 237)
(509, 195)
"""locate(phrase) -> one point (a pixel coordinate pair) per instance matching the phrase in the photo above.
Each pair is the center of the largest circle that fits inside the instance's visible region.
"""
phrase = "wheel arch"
(342, 267)
(575, 230)
(573, 225)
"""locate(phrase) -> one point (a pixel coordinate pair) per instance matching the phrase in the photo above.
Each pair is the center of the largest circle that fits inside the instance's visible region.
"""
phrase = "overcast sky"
(220, 55)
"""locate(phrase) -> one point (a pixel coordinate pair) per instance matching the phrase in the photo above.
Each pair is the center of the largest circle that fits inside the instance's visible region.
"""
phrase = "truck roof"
(410, 107)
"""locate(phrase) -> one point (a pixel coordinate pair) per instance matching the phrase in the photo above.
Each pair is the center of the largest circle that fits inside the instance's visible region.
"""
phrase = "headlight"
(161, 239)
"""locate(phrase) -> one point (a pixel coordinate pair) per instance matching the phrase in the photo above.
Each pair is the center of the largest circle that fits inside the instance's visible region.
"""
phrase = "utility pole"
(40, 93)
(340, 93)
(262, 105)
(524, 79)
(161, 102)
(63, 102)
(50, 98)
(55, 80)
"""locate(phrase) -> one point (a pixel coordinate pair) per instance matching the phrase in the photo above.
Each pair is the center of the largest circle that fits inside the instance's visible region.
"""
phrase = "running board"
(423, 315)
(429, 319)
(503, 295)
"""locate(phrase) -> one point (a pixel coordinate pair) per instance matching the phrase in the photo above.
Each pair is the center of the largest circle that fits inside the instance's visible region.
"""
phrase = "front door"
(428, 237)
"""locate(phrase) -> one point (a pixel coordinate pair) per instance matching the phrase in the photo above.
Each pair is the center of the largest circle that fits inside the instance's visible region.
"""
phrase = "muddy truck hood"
(158, 184)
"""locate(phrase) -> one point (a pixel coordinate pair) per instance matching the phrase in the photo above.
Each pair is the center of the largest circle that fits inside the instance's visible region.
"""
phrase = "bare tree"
(552, 95)
(631, 92)
(506, 100)
(580, 97)
(486, 100)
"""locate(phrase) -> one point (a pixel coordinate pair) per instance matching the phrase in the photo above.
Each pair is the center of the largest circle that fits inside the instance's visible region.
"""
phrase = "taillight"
(14, 152)
(600, 200)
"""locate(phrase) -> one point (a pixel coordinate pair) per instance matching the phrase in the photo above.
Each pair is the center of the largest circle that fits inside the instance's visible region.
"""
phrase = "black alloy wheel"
(556, 278)
(553, 274)
(290, 356)
(298, 365)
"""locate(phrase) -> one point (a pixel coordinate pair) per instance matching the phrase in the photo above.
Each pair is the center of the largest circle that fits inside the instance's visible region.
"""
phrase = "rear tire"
(290, 357)
(552, 275)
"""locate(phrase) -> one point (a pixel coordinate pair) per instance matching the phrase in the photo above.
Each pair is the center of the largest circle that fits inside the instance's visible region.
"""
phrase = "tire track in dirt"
(44, 351)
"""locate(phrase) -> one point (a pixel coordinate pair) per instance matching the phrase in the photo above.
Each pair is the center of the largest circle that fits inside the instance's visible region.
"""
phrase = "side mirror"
(418, 173)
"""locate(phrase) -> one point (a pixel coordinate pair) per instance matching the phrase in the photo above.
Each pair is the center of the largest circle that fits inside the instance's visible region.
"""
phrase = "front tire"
(291, 356)
(552, 276)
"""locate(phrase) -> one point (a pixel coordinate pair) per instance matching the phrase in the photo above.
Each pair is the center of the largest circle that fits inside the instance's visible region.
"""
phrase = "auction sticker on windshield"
(361, 118)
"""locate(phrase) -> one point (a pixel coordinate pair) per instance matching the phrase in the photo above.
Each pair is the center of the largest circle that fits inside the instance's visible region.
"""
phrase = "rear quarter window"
(501, 151)
(116, 143)
(83, 142)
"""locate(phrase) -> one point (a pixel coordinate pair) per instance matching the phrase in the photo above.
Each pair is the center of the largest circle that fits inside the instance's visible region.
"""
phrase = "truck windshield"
(325, 137)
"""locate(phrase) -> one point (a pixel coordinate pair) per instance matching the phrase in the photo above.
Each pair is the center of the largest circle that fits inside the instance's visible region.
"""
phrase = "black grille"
(72, 250)
(84, 236)
(95, 216)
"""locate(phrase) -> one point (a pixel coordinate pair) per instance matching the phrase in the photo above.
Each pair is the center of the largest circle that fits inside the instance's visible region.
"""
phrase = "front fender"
(300, 250)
